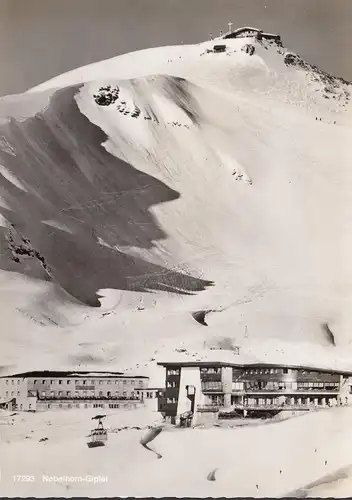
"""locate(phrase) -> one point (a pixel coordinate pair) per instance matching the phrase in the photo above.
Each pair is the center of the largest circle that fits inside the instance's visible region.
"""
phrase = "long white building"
(45, 390)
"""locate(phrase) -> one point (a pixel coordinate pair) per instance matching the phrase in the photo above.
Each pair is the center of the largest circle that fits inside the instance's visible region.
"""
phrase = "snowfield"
(138, 190)
(305, 455)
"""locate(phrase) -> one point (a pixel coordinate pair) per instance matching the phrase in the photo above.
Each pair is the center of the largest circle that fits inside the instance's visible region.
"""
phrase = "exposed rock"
(211, 475)
(106, 95)
(328, 334)
(21, 248)
(249, 49)
(199, 316)
(291, 59)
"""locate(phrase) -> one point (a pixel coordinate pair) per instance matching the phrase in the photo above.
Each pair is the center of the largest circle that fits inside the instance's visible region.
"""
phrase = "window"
(34, 381)
(43, 393)
(76, 382)
(68, 393)
(69, 406)
(141, 382)
(21, 406)
(18, 393)
(69, 381)
(6, 382)
(100, 382)
(132, 382)
(48, 406)
(84, 393)
(285, 370)
(52, 381)
(109, 382)
(100, 393)
(60, 381)
(7, 393)
(60, 405)
(84, 382)
(12, 382)
(92, 382)
(124, 393)
(116, 381)
(125, 381)
(108, 394)
(12, 393)
(77, 405)
(29, 406)
(60, 393)
(18, 382)
(43, 381)
(86, 406)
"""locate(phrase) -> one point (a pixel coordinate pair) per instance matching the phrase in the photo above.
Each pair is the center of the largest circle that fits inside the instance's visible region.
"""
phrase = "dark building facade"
(251, 387)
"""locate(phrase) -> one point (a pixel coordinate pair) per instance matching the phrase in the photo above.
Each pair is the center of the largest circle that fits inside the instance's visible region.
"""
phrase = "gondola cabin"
(99, 435)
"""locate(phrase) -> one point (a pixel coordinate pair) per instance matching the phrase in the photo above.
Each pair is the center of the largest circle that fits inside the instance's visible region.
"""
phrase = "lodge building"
(208, 387)
(45, 390)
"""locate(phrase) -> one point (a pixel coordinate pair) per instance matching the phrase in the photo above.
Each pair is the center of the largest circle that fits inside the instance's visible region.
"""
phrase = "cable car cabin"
(99, 435)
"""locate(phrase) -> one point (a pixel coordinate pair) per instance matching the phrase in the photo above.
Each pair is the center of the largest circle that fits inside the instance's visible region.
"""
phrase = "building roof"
(73, 374)
(216, 364)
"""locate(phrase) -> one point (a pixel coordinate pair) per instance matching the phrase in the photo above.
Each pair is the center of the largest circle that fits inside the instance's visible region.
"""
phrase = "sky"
(40, 39)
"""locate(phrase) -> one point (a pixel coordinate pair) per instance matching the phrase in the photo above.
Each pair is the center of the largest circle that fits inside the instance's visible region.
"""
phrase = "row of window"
(237, 386)
(13, 393)
(211, 386)
(280, 385)
(210, 370)
(69, 405)
(171, 400)
(173, 372)
(172, 384)
(265, 371)
(89, 382)
(83, 393)
(149, 394)
(13, 382)
(317, 385)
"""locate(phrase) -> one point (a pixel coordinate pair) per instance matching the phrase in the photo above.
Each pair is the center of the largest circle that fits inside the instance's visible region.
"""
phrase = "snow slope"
(267, 459)
(213, 181)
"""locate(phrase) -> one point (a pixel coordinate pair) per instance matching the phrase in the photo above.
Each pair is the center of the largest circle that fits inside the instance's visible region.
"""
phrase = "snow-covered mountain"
(173, 180)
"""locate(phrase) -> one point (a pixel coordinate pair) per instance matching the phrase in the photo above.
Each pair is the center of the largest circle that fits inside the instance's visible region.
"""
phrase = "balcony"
(281, 407)
(299, 392)
(210, 377)
(88, 398)
(212, 386)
